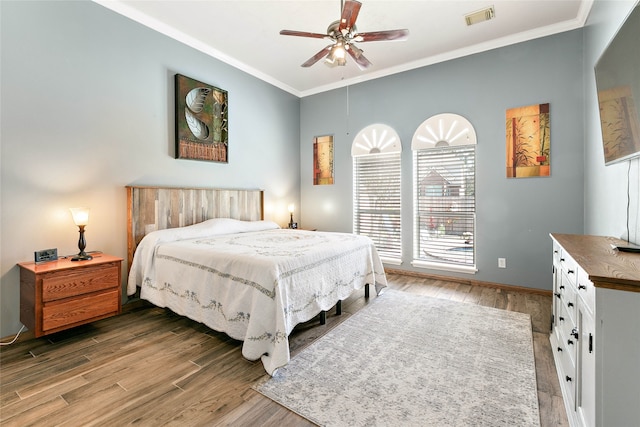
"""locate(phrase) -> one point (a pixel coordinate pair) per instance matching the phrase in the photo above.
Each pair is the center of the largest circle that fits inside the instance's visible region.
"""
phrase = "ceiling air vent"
(480, 16)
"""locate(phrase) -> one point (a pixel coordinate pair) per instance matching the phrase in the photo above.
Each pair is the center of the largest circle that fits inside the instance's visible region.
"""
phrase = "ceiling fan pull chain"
(347, 110)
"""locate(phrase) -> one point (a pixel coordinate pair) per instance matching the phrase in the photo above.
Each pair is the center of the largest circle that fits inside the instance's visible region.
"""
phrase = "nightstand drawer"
(60, 314)
(64, 284)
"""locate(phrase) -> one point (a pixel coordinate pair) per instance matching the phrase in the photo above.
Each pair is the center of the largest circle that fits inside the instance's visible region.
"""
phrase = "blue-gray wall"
(514, 216)
(87, 108)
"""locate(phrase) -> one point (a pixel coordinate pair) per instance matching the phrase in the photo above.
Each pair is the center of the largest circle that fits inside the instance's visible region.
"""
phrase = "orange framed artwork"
(528, 141)
(323, 160)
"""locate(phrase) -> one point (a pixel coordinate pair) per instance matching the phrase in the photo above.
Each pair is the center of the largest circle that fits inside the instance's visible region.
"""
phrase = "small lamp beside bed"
(291, 223)
(81, 219)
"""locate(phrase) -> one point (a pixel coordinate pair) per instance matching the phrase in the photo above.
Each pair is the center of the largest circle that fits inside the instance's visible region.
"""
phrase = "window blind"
(445, 205)
(377, 202)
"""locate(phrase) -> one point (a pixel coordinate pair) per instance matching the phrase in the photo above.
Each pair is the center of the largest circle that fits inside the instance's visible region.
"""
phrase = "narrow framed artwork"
(528, 141)
(202, 123)
(323, 160)
(619, 123)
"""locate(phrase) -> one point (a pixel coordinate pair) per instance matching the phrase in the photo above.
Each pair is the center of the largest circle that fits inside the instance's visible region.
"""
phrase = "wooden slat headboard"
(158, 208)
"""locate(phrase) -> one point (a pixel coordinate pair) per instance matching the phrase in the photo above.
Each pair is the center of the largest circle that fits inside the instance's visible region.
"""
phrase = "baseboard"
(471, 282)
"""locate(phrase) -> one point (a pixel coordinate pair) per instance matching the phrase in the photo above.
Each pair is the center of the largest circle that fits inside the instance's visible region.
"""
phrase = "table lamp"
(81, 219)
(291, 209)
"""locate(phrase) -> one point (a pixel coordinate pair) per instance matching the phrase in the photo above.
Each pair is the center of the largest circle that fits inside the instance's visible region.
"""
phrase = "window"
(376, 201)
(444, 150)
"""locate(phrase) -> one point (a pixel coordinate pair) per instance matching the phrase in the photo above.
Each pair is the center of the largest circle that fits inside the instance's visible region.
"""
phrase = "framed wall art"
(528, 141)
(323, 160)
(202, 123)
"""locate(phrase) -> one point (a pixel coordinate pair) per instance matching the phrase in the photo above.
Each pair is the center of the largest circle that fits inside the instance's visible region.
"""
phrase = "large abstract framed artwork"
(528, 141)
(202, 123)
(323, 160)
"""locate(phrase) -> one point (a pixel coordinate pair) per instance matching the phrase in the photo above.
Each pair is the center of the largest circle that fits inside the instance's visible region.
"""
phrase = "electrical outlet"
(502, 263)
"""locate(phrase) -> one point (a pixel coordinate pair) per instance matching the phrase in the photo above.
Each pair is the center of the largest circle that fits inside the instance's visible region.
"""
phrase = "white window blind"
(377, 202)
(445, 205)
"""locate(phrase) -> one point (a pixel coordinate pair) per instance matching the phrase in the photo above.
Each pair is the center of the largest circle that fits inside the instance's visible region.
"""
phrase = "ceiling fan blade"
(375, 36)
(349, 14)
(318, 56)
(302, 34)
(356, 54)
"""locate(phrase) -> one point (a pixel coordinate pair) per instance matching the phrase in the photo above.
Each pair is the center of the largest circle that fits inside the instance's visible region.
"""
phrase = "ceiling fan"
(343, 34)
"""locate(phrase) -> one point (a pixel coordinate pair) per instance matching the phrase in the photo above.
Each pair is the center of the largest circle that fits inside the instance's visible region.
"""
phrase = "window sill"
(445, 267)
(392, 261)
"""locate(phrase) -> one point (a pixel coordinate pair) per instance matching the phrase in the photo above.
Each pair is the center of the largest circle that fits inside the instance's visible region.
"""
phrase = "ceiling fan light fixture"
(482, 15)
(337, 56)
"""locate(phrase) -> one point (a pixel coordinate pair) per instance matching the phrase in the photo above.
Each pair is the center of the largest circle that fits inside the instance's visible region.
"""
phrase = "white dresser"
(595, 330)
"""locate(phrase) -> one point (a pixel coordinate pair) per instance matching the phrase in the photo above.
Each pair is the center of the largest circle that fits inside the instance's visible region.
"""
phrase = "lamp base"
(82, 257)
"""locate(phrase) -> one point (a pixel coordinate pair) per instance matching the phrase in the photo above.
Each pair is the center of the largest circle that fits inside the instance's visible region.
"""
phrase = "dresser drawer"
(569, 267)
(69, 283)
(79, 310)
(561, 316)
(568, 380)
(557, 253)
(568, 340)
(586, 290)
(568, 297)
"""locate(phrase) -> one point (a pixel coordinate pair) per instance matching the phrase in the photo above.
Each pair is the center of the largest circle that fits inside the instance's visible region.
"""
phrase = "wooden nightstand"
(61, 294)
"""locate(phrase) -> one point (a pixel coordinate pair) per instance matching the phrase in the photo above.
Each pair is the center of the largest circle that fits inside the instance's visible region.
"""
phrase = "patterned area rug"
(412, 360)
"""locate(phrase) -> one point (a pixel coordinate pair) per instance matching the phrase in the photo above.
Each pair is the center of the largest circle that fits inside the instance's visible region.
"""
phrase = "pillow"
(210, 227)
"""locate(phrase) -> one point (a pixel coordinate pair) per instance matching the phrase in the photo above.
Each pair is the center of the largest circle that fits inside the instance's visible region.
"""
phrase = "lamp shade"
(80, 215)
(291, 208)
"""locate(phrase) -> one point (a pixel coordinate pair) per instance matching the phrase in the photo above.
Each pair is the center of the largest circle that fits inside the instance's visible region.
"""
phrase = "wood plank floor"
(151, 367)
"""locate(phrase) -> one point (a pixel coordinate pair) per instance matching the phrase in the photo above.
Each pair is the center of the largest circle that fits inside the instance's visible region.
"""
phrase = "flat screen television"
(618, 85)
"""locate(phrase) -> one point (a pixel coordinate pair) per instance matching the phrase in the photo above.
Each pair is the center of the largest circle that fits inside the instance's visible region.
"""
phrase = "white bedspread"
(252, 280)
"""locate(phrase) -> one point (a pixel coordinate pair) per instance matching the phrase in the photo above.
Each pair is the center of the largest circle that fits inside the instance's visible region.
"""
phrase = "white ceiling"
(245, 34)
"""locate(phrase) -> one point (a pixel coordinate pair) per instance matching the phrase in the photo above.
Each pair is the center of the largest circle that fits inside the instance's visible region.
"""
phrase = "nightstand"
(61, 294)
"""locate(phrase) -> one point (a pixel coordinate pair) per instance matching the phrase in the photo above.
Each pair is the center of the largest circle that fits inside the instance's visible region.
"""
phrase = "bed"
(209, 255)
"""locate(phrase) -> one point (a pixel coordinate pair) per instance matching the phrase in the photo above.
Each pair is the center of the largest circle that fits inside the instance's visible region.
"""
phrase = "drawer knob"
(561, 319)
(582, 287)
(562, 259)
(570, 342)
(574, 332)
(569, 304)
(568, 378)
(557, 294)
(570, 271)
(559, 348)
(561, 286)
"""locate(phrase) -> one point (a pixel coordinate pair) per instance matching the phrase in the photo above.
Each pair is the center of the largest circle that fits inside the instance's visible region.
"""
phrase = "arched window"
(376, 153)
(444, 158)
